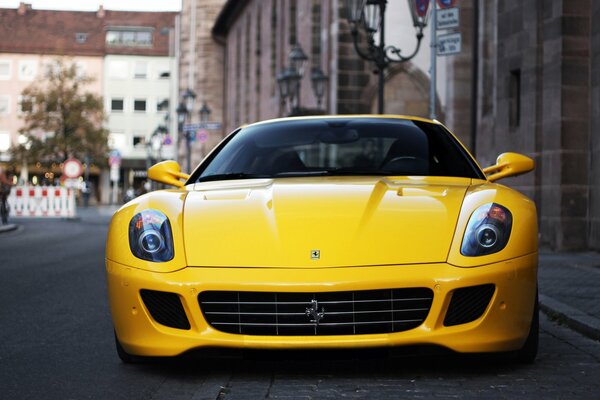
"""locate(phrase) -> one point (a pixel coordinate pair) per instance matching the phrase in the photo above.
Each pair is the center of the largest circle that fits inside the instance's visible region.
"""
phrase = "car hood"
(321, 222)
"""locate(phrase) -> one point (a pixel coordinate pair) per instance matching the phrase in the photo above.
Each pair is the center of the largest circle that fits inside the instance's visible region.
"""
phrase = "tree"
(60, 119)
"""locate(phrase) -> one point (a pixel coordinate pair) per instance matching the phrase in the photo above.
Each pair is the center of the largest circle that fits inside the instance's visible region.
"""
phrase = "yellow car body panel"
(372, 232)
(278, 222)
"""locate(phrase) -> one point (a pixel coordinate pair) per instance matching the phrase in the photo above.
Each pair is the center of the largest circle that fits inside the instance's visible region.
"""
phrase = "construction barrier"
(41, 201)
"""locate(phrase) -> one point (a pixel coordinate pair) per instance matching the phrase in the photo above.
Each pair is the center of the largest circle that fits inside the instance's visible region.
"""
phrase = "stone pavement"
(569, 290)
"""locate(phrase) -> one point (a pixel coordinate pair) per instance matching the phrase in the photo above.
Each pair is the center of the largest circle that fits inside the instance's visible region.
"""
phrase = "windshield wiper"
(333, 172)
(230, 176)
(360, 172)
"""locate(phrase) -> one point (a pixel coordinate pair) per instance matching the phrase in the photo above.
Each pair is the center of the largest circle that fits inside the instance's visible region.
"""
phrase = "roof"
(25, 30)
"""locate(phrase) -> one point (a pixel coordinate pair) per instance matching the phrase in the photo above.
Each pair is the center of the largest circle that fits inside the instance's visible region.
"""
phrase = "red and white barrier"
(41, 201)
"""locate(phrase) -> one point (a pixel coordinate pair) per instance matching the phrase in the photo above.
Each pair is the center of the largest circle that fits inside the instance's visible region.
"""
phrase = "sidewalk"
(569, 287)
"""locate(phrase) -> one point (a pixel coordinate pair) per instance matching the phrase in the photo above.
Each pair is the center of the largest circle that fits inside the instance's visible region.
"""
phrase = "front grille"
(295, 314)
(165, 308)
(468, 304)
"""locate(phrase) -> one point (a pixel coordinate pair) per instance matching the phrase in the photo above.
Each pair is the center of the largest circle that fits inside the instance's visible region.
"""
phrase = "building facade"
(130, 57)
(539, 94)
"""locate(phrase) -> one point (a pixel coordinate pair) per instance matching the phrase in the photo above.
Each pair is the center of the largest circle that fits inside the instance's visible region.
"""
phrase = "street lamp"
(204, 113)
(319, 81)
(368, 16)
(181, 115)
(289, 88)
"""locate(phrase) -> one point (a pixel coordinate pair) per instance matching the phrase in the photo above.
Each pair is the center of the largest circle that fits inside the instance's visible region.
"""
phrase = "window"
(162, 105)
(339, 147)
(127, 37)
(4, 141)
(117, 69)
(80, 37)
(5, 69)
(27, 70)
(80, 68)
(139, 141)
(514, 99)
(116, 140)
(139, 105)
(117, 105)
(140, 70)
(4, 105)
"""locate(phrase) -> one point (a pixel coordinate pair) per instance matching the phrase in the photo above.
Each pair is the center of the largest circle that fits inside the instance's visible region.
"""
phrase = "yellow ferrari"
(328, 232)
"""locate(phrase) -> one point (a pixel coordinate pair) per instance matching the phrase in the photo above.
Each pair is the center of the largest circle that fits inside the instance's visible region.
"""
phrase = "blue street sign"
(202, 125)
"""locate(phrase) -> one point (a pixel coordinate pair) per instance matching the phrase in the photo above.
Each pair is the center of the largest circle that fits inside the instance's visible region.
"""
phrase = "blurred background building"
(130, 56)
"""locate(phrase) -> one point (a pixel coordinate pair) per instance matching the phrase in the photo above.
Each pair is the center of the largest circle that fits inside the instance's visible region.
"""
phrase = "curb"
(575, 319)
(8, 228)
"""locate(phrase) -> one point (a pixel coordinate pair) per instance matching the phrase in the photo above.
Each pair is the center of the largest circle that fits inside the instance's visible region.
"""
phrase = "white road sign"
(449, 44)
(447, 18)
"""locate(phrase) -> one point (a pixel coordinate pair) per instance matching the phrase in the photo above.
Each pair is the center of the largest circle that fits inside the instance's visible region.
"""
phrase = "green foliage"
(61, 119)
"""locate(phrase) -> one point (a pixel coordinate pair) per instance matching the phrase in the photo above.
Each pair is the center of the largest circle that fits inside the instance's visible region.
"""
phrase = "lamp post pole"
(184, 110)
(433, 45)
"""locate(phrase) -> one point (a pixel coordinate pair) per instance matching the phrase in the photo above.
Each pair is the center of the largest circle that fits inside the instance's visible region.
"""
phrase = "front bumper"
(503, 326)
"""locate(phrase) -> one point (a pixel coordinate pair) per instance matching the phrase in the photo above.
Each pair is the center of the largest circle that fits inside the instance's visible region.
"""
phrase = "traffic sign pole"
(433, 69)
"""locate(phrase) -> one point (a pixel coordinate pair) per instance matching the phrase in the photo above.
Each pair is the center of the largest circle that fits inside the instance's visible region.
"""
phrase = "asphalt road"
(57, 343)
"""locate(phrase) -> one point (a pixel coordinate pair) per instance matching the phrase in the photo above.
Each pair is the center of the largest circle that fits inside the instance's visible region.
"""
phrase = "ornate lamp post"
(288, 81)
(204, 113)
(319, 82)
(183, 110)
(367, 17)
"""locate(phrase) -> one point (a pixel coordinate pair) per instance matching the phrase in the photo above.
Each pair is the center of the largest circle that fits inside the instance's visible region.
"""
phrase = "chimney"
(101, 12)
(23, 7)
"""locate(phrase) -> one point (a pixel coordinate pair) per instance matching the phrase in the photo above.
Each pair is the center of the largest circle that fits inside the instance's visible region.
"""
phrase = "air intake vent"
(468, 304)
(330, 313)
(165, 308)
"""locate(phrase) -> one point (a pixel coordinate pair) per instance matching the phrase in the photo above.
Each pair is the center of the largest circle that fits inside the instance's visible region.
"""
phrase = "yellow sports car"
(328, 232)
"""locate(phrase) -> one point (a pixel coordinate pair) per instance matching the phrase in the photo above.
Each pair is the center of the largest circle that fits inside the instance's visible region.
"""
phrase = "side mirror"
(168, 172)
(509, 164)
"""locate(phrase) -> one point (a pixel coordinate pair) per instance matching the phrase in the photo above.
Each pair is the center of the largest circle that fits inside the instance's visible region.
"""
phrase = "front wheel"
(528, 352)
(123, 355)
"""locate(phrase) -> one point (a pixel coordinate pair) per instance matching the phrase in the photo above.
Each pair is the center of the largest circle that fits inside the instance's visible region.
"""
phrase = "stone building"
(201, 70)
(539, 94)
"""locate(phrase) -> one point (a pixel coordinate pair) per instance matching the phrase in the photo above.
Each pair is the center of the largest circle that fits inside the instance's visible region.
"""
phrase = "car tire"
(123, 355)
(528, 352)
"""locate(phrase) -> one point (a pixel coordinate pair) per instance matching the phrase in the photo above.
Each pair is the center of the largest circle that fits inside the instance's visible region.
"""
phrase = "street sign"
(202, 125)
(114, 158)
(202, 135)
(72, 168)
(421, 7)
(449, 44)
(446, 3)
(447, 18)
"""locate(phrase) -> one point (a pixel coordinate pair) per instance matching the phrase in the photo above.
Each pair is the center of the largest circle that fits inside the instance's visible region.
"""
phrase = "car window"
(337, 146)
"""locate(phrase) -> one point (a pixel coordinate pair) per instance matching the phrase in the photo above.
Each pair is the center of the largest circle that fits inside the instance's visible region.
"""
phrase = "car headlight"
(488, 230)
(150, 236)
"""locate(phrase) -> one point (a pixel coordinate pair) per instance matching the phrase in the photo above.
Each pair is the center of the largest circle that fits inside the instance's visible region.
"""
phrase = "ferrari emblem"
(314, 312)
(315, 254)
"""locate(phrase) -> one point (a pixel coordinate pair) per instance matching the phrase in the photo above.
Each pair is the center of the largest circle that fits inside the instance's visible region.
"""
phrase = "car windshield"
(338, 146)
